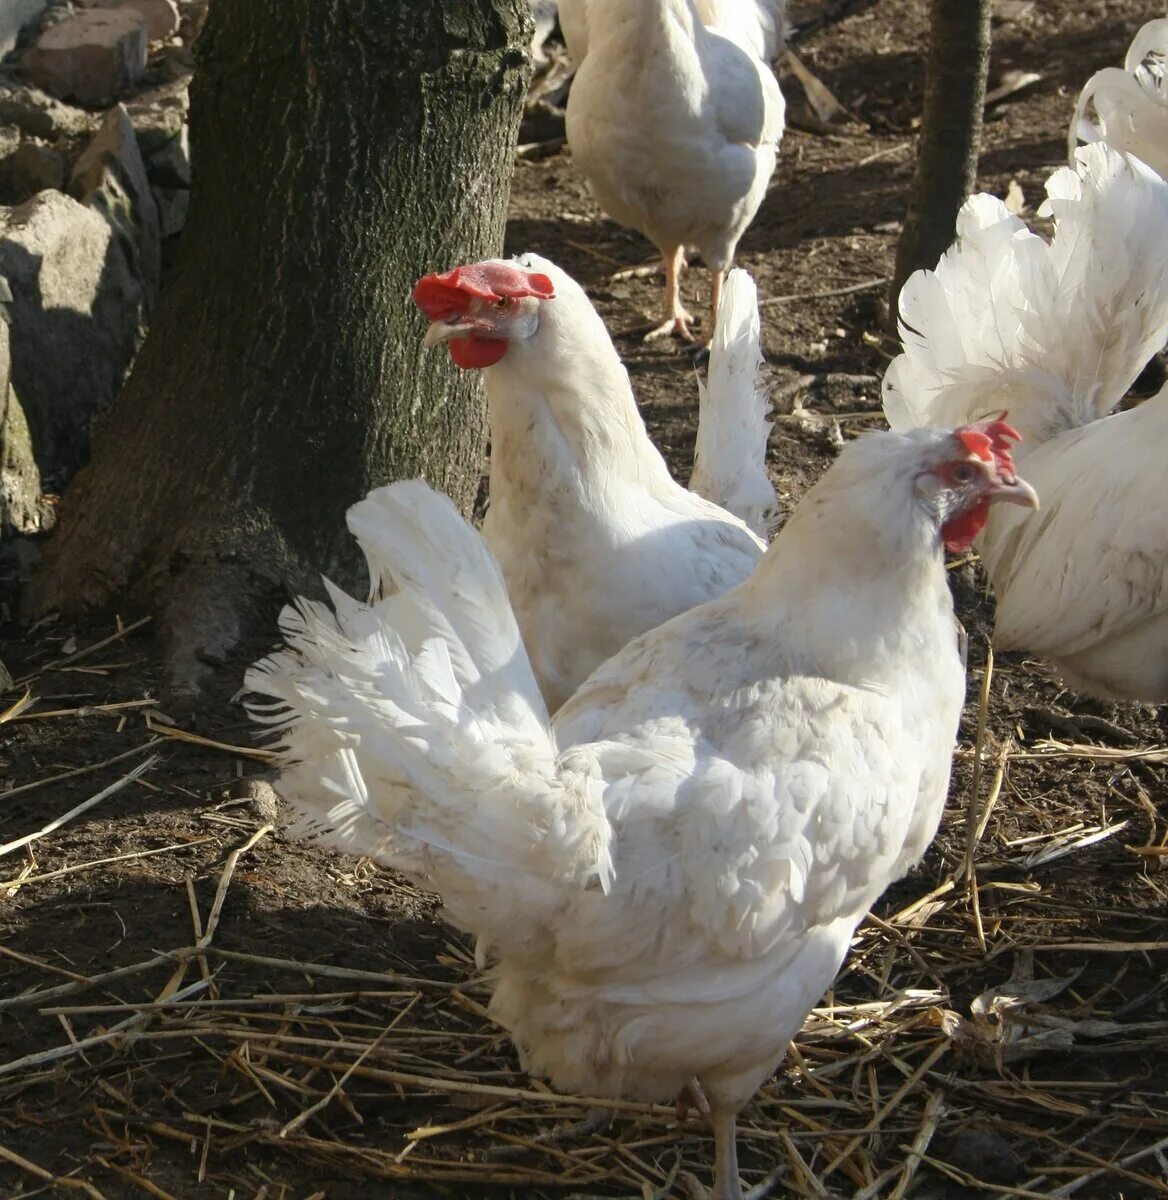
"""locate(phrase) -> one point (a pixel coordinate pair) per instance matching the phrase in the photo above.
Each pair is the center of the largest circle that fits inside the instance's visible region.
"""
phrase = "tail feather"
(412, 729)
(1130, 105)
(1053, 333)
(730, 454)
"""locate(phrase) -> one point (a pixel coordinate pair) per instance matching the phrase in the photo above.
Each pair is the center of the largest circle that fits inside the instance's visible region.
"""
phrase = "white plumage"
(1130, 105)
(668, 875)
(596, 541)
(1055, 334)
(543, 14)
(730, 452)
(758, 26)
(676, 127)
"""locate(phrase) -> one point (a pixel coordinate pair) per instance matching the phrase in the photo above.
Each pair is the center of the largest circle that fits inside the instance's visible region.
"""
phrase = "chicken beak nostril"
(443, 331)
(1018, 491)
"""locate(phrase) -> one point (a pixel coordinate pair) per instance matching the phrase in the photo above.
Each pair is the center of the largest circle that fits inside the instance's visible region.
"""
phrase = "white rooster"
(1130, 105)
(1055, 334)
(667, 876)
(676, 127)
(596, 541)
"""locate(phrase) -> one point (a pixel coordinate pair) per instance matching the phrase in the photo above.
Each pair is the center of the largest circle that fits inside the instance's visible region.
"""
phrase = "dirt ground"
(191, 1005)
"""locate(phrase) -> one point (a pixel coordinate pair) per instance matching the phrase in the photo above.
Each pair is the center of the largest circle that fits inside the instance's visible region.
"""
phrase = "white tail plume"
(1131, 105)
(412, 728)
(730, 452)
(1055, 333)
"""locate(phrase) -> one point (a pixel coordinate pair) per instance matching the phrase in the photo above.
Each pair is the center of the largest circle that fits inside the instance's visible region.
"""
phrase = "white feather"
(730, 452)
(1131, 105)
(391, 713)
(1055, 334)
(669, 876)
(595, 539)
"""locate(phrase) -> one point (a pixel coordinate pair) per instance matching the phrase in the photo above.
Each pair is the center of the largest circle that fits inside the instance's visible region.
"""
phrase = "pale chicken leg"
(677, 320)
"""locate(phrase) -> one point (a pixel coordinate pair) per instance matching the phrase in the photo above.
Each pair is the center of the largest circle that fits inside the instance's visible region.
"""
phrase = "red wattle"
(474, 351)
(959, 533)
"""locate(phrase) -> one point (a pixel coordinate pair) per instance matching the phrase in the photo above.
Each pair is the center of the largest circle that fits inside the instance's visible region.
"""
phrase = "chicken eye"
(502, 303)
(963, 473)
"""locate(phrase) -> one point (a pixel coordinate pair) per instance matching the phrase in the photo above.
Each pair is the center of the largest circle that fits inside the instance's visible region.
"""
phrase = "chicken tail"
(1053, 333)
(1130, 104)
(412, 730)
(730, 454)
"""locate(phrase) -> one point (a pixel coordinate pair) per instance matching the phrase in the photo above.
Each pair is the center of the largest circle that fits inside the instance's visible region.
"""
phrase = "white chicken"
(543, 15)
(1130, 105)
(1055, 334)
(758, 26)
(676, 127)
(667, 876)
(596, 541)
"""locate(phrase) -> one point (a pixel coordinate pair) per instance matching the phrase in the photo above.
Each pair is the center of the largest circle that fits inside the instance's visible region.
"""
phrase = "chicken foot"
(692, 1096)
(677, 321)
(595, 1120)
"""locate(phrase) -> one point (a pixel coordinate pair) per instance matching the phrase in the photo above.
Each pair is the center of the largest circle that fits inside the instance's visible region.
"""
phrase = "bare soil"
(208, 1094)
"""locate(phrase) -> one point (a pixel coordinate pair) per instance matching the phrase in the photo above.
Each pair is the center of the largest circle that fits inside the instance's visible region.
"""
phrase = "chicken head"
(477, 309)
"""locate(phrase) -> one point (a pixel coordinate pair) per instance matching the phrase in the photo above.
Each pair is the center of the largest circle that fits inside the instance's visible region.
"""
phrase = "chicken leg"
(726, 1183)
(677, 320)
(717, 279)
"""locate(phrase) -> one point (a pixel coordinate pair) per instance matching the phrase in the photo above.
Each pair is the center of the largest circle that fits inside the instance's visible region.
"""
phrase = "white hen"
(1131, 105)
(676, 128)
(668, 876)
(596, 541)
(1055, 334)
(758, 26)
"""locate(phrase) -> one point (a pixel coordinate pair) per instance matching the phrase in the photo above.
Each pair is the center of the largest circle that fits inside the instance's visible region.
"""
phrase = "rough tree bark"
(342, 148)
(955, 86)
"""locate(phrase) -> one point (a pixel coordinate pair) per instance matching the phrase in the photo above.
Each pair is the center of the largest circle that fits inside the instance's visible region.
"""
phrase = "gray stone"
(194, 15)
(161, 16)
(23, 508)
(173, 205)
(170, 165)
(38, 114)
(93, 56)
(110, 178)
(14, 16)
(76, 318)
(159, 115)
(27, 168)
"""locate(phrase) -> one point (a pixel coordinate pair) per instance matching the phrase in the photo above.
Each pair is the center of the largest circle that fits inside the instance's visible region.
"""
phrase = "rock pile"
(94, 184)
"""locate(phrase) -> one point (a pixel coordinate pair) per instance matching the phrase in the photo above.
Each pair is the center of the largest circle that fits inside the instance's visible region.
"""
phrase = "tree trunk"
(955, 86)
(341, 149)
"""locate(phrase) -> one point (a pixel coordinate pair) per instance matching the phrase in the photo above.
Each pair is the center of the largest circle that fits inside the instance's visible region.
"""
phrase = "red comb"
(443, 295)
(991, 442)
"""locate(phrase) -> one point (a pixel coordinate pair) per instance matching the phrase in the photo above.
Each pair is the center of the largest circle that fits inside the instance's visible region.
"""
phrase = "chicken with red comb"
(1057, 332)
(448, 298)
(988, 443)
(666, 876)
(596, 541)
